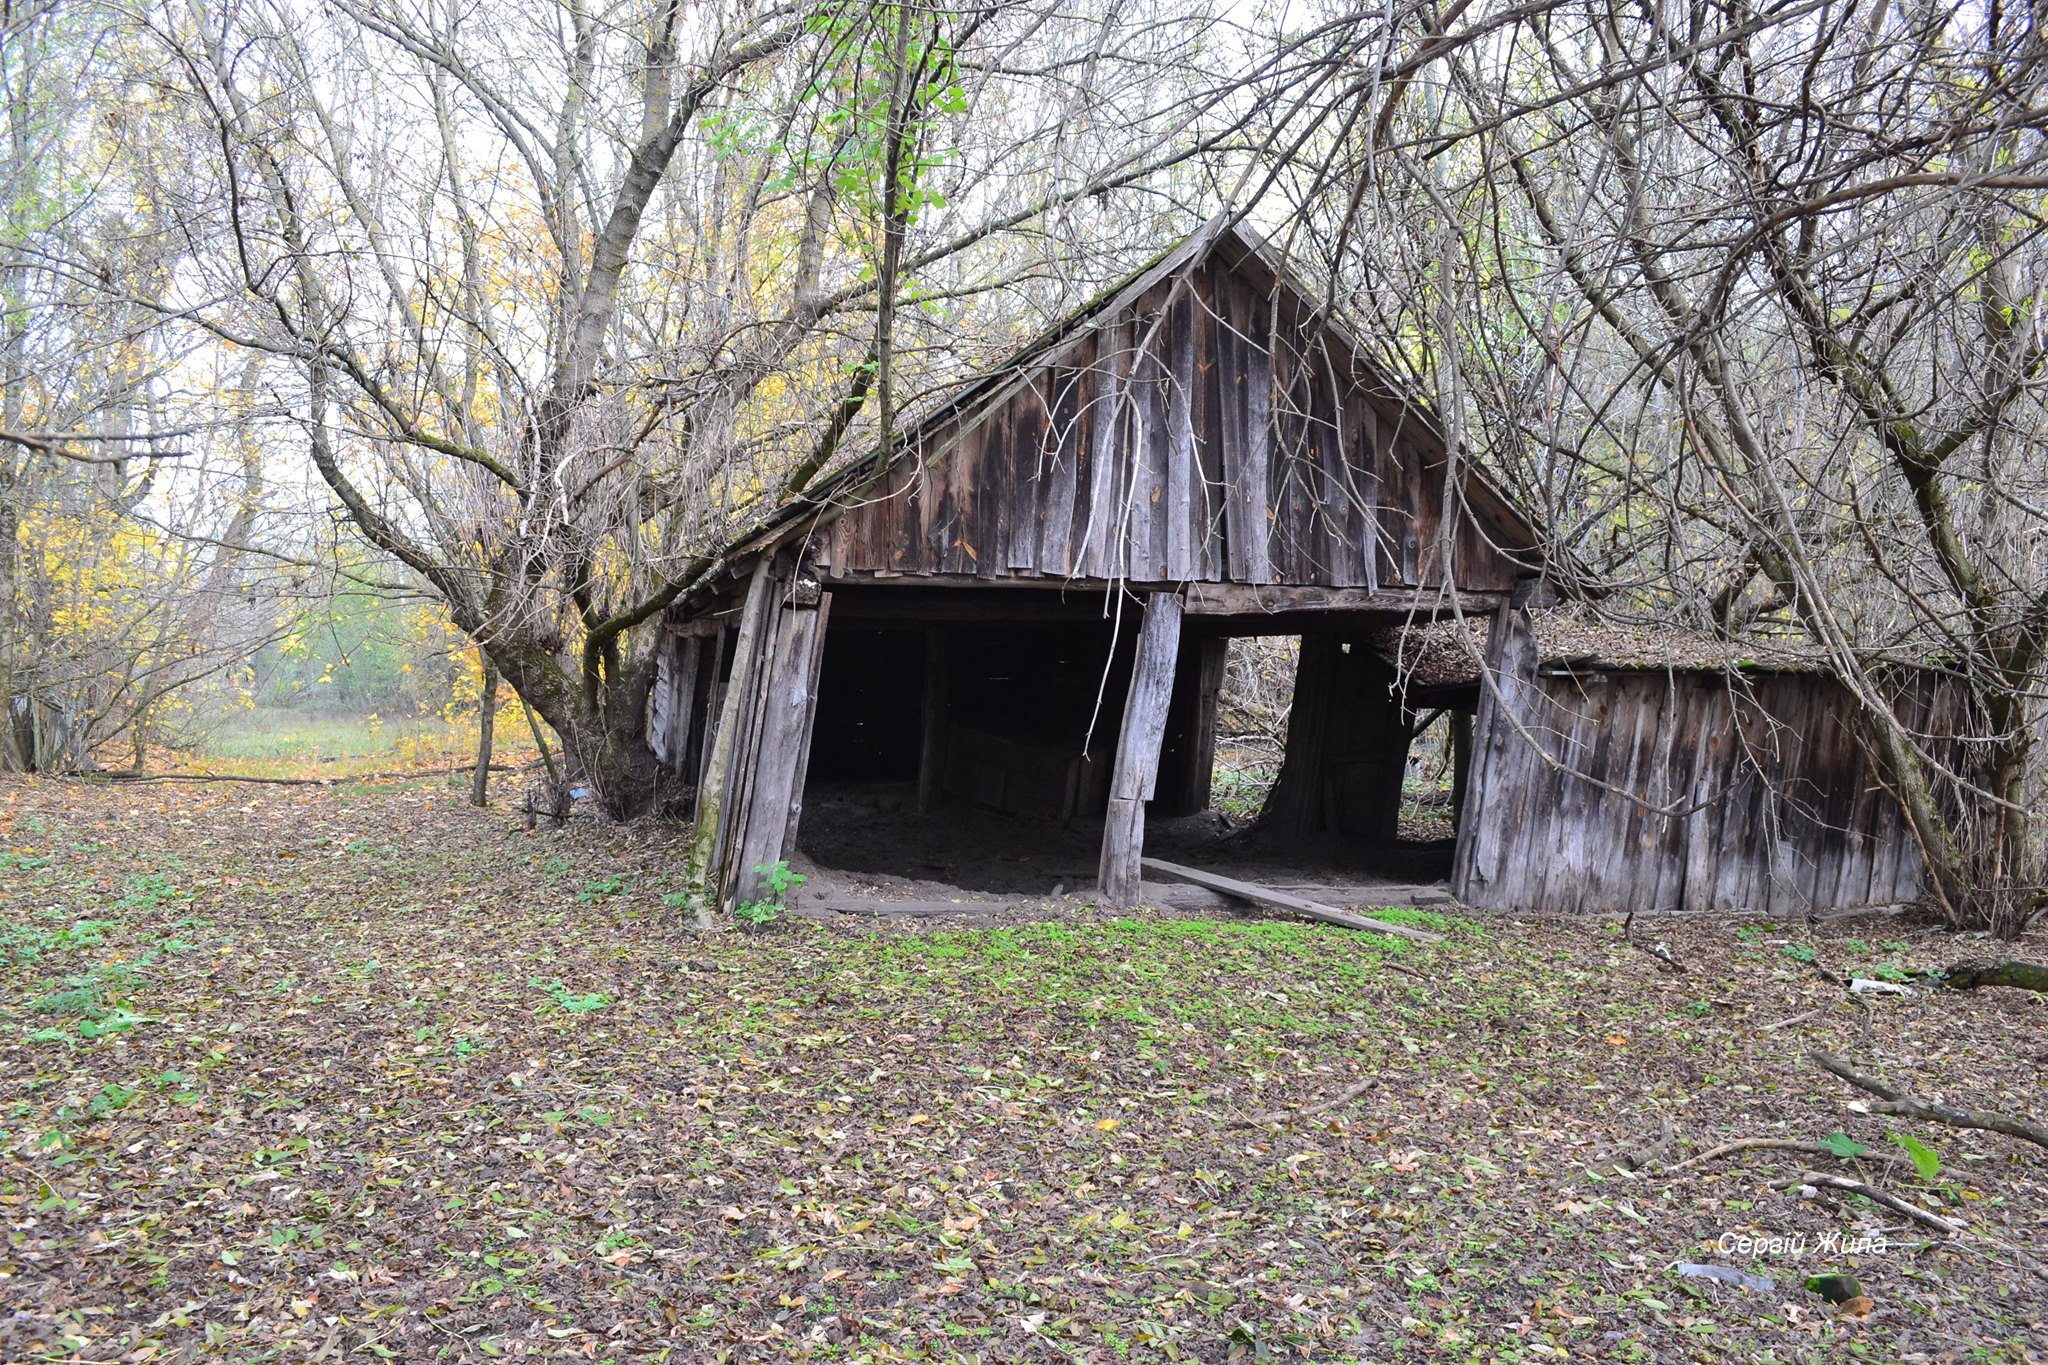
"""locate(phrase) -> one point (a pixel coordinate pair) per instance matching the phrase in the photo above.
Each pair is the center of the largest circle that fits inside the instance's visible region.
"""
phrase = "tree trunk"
(603, 729)
(486, 720)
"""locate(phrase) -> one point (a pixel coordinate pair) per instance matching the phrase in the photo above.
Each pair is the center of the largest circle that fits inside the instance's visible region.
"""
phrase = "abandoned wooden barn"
(1023, 606)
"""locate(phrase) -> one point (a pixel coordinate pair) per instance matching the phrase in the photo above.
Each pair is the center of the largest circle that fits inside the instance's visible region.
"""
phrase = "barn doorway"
(965, 753)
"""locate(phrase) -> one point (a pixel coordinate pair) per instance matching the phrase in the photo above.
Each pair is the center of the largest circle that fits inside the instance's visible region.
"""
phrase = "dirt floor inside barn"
(299, 1073)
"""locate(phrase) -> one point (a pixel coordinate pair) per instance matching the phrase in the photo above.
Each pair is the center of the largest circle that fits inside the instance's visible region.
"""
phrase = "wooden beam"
(1136, 774)
(1241, 599)
(1284, 900)
(1404, 895)
(920, 602)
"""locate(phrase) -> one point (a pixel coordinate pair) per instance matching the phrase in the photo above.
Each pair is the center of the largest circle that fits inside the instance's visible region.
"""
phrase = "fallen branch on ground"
(1337, 1101)
(1900, 1104)
(1968, 976)
(1657, 951)
(1795, 1019)
(131, 779)
(1948, 1227)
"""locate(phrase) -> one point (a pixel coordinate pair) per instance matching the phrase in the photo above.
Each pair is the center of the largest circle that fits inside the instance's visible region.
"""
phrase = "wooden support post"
(732, 711)
(934, 709)
(1294, 809)
(1461, 764)
(1368, 738)
(1137, 752)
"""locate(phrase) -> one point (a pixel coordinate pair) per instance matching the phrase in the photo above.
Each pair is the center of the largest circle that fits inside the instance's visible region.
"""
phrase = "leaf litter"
(361, 1072)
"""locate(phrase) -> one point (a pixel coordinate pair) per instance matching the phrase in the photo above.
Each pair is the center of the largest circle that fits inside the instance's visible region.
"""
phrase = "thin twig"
(1658, 952)
(1768, 1145)
(1822, 1180)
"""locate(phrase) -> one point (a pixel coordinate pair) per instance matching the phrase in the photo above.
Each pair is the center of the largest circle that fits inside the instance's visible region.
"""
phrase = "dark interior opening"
(978, 753)
(870, 691)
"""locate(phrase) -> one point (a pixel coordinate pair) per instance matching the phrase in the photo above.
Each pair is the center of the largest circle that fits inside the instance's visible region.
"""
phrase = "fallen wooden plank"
(1201, 900)
(1406, 895)
(1281, 900)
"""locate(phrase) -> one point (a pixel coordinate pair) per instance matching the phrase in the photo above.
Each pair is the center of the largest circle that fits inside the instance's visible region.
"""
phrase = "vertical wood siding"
(1774, 806)
(1210, 432)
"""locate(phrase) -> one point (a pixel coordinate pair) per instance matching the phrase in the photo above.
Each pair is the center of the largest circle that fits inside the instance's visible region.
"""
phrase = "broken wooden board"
(1201, 900)
(1282, 900)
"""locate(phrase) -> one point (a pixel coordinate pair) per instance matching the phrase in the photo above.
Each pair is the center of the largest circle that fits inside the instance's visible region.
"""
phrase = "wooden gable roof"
(1203, 423)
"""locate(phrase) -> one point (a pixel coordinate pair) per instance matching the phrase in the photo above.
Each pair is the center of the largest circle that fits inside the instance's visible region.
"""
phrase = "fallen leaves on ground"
(335, 1074)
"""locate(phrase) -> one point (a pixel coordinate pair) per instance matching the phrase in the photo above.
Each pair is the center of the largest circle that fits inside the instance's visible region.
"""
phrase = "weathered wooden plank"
(661, 720)
(1137, 754)
(1059, 460)
(1181, 512)
(1501, 761)
(1100, 537)
(1230, 381)
(1285, 900)
(1349, 898)
(675, 692)
(789, 702)
(1675, 763)
(706, 844)
(1246, 599)
(1705, 794)
(1026, 457)
(746, 773)
(1146, 514)
(1205, 416)
(1255, 475)
(803, 763)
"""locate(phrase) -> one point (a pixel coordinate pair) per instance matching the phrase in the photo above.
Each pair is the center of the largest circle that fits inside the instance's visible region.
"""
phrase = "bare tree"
(1747, 305)
(118, 545)
(575, 294)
